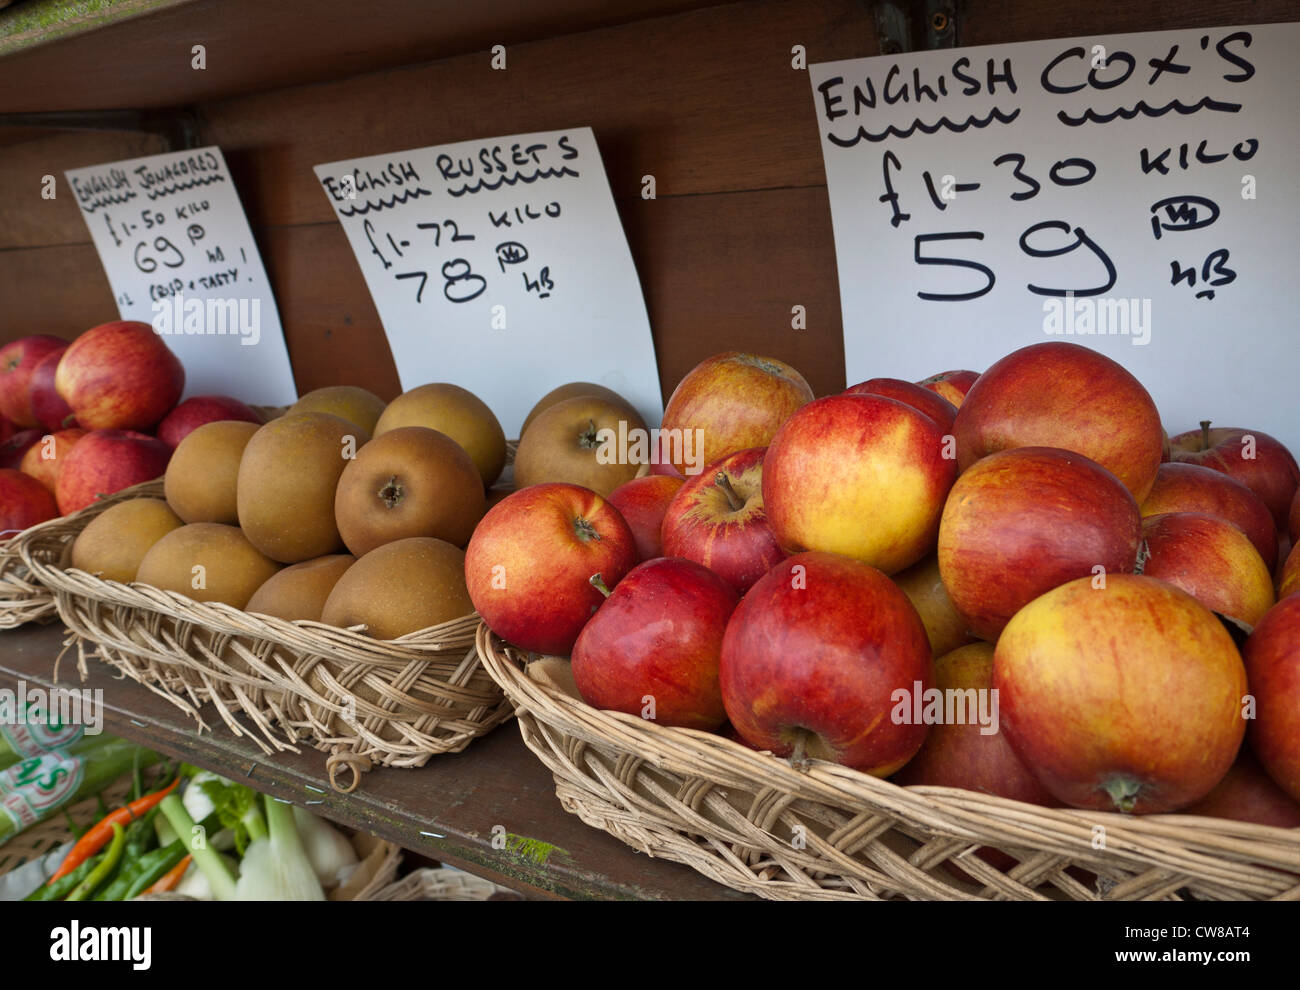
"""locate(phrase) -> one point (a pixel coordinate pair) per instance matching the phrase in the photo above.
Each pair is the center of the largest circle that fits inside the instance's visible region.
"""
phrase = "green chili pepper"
(57, 890)
(106, 866)
(155, 866)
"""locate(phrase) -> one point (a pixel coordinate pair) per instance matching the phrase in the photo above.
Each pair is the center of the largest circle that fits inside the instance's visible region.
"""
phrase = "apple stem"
(585, 530)
(391, 493)
(1123, 791)
(798, 759)
(733, 500)
(587, 438)
(598, 582)
(1143, 555)
(1205, 434)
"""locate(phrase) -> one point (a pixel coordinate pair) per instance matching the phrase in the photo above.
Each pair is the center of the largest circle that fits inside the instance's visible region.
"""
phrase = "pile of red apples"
(82, 420)
(1030, 535)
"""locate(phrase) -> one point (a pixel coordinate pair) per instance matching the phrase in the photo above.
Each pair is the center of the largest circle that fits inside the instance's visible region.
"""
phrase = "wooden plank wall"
(706, 101)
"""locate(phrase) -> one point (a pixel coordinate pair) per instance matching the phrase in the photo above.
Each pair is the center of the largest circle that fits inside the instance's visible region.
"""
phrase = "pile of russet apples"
(1028, 541)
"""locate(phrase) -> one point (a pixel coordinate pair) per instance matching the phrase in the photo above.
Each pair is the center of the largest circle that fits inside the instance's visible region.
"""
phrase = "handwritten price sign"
(1136, 193)
(500, 265)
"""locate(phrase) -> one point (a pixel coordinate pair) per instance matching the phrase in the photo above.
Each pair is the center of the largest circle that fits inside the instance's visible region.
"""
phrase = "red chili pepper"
(97, 835)
(172, 877)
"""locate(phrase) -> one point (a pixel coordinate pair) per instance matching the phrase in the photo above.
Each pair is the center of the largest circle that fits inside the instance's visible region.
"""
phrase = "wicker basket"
(22, 599)
(753, 822)
(363, 701)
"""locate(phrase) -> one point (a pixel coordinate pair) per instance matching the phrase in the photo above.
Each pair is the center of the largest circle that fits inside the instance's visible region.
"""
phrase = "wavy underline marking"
(1141, 107)
(108, 199)
(181, 186)
(384, 204)
(919, 125)
(510, 180)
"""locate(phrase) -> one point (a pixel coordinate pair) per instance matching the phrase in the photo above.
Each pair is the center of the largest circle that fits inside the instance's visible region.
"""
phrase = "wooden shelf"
(445, 810)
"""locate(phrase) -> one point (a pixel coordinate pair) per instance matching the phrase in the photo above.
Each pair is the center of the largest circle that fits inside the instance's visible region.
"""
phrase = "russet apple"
(923, 585)
(45, 459)
(529, 563)
(1248, 794)
(119, 376)
(574, 390)
(576, 442)
(1211, 560)
(952, 385)
(24, 502)
(18, 360)
(1059, 394)
(717, 519)
(814, 659)
(1256, 459)
(357, 405)
(457, 412)
(1272, 655)
(924, 400)
(736, 401)
(861, 475)
(1183, 487)
(653, 646)
(199, 410)
(642, 503)
(1127, 696)
(48, 408)
(1023, 521)
(106, 461)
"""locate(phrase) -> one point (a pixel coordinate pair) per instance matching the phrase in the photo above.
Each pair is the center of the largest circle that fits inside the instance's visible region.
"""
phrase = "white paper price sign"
(172, 236)
(1136, 193)
(500, 265)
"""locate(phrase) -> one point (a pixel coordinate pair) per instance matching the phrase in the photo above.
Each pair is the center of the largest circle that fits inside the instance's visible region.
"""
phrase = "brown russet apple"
(106, 461)
(529, 564)
(1211, 560)
(1256, 459)
(119, 376)
(24, 502)
(1248, 794)
(300, 590)
(587, 441)
(717, 520)
(287, 479)
(816, 658)
(1059, 394)
(653, 646)
(642, 502)
(861, 475)
(201, 483)
(735, 401)
(351, 402)
(1272, 656)
(401, 588)
(45, 459)
(573, 390)
(115, 542)
(952, 385)
(18, 361)
(924, 400)
(208, 562)
(1127, 696)
(411, 481)
(1023, 521)
(48, 408)
(1183, 487)
(460, 414)
(944, 626)
(200, 410)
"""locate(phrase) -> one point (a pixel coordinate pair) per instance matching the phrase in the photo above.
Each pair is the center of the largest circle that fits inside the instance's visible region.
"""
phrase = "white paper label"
(172, 236)
(1136, 194)
(500, 265)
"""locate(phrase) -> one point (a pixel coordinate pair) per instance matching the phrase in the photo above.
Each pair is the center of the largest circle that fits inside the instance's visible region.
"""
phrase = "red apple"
(1293, 525)
(952, 385)
(1023, 521)
(45, 459)
(1062, 395)
(1127, 696)
(18, 359)
(860, 475)
(1289, 583)
(1192, 488)
(822, 659)
(106, 461)
(17, 445)
(6, 429)
(717, 520)
(529, 563)
(1248, 794)
(944, 626)
(642, 503)
(1211, 560)
(50, 411)
(199, 410)
(1258, 461)
(1272, 655)
(661, 461)
(734, 401)
(24, 502)
(119, 376)
(931, 403)
(652, 648)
